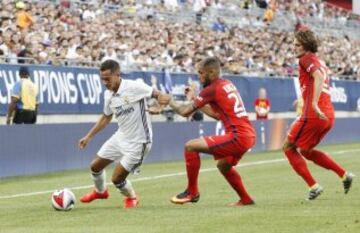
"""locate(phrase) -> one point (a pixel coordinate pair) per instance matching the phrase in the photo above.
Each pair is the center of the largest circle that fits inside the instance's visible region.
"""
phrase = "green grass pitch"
(279, 194)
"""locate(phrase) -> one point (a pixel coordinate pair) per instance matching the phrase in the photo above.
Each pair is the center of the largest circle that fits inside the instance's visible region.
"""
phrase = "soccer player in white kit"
(127, 147)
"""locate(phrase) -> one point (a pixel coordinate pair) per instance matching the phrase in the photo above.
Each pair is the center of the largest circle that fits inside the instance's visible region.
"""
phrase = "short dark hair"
(111, 65)
(213, 62)
(179, 56)
(23, 71)
(308, 40)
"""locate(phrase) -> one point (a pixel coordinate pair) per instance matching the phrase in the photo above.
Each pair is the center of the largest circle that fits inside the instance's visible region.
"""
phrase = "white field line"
(249, 164)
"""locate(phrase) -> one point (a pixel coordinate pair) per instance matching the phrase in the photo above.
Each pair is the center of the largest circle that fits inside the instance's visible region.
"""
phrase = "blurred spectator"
(246, 4)
(12, 52)
(87, 12)
(23, 18)
(3, 46)
(171, 5)
(23, 54)
(199, 7)
(24, 100)
(348, 70)
(2, 58)
(299, 26)
(219, 25)
(65, 3)
(262, 3)
(268, 15)
(262, 105)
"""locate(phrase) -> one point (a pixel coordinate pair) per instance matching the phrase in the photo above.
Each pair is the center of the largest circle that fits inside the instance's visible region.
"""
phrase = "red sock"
(323, 160)
(192, 161)
(234, 179)
(299, 165)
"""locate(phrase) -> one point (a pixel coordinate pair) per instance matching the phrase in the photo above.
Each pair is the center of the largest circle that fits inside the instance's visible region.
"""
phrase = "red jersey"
(264, 104)
(226, 101)
(308, 64)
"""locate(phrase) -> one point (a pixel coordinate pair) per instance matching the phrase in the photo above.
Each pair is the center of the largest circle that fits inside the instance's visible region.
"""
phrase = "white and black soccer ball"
(63, 200)
(262, 111)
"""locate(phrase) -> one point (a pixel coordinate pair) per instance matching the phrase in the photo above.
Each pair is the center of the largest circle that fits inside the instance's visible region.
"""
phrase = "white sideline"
(261, 162)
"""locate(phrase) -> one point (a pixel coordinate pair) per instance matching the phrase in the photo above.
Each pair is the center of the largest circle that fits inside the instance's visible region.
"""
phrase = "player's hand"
(164, 99)
(83, 142)
(189, 93)
(154, 110)
(319, 113)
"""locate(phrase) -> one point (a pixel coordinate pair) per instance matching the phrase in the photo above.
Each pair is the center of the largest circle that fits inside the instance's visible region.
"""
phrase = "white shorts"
(129, 154)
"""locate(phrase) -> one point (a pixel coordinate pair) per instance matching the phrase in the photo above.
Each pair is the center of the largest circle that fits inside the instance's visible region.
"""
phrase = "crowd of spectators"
(314, 8)
(57, 34)
(299, 8)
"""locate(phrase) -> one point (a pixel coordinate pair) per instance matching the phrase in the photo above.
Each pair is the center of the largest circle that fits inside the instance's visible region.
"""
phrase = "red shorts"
(229, 147)
(307, 133)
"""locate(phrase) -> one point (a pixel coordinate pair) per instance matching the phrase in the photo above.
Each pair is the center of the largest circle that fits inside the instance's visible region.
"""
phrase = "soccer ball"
(262, 112)
(63, 200)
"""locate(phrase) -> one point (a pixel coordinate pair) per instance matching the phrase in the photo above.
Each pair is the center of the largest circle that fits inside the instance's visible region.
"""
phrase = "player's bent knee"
(94, 166)
(190, 146)
(223, 166)
(119, 176)
(284, 148)
(117, 179)
(287, 146)
(305, 153)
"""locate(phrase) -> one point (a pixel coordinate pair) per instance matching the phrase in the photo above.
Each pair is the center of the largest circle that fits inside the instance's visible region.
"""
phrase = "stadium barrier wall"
(35, 149)
(70, 90)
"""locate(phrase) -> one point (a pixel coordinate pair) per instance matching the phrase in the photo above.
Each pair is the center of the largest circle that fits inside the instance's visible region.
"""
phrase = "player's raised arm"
(103, 121)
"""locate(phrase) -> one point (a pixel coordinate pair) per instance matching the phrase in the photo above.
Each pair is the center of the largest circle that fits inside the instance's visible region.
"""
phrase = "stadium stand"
(150, 35)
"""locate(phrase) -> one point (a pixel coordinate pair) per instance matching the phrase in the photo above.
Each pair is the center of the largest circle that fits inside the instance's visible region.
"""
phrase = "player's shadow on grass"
(96, 208)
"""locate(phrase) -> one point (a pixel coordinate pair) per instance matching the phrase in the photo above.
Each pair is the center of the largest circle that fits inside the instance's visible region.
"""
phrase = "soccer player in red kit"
(317, 116)
(221, 100)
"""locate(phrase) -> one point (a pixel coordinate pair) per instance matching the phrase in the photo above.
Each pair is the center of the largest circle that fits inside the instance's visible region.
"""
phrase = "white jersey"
(128, 106)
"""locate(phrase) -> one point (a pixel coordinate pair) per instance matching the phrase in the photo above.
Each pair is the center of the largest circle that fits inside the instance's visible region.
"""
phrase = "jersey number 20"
(239, 109)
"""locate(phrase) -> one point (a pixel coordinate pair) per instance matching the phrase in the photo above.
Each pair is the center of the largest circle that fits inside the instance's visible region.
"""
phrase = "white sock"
(126, 188)
(99, 180)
